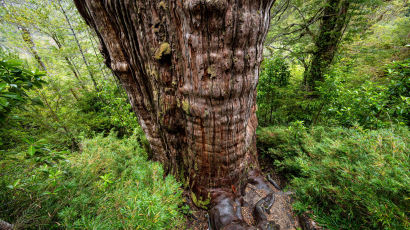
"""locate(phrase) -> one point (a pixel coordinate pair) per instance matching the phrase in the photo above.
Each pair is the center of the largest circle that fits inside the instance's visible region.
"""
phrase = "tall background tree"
(311, 32)
(51, 36)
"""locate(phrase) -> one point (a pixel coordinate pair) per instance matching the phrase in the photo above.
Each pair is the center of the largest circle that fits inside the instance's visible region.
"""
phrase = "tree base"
(260, 205)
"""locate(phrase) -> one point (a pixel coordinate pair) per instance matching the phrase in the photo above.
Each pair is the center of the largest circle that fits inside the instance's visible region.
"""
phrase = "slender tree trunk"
(190, 69)
(100, 66)
(266, 116)
(56, 118)
(334, 20)
(30, 44)
(73, 69)
(28, 39)
(271, 113)
(74, 94)
(69, 62)
(79, 46)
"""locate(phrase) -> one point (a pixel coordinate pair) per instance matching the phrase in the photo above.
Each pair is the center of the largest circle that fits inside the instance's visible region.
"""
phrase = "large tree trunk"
(190, 69)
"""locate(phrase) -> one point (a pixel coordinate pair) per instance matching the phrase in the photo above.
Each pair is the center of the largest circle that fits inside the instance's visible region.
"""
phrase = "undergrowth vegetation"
(344, 99)
(109, 184)
(345, 151)
(349, 178)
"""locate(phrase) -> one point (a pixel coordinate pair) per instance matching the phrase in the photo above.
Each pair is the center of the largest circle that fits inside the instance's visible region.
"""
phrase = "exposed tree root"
(5, 226)
(259, 206)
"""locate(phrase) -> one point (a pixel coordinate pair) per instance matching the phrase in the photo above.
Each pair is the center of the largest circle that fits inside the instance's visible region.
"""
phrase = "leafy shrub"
(108, 185)
(345, 99)
(272, 89)
(275, 73)
(15, 80)
(280, 144)
(347, 178)
(106, 110)
(371, 104)
(86, 115)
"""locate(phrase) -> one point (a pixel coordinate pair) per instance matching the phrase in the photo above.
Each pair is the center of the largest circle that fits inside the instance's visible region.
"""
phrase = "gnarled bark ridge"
(190, 69)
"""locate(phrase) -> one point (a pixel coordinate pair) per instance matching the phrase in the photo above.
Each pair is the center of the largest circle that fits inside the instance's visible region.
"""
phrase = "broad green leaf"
(4, 102)
(31, 150)
(2, 85)
(12, 96)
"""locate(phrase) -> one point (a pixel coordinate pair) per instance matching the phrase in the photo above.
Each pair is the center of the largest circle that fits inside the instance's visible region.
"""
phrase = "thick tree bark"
(334, 21)
(190, 69)
(94, 43)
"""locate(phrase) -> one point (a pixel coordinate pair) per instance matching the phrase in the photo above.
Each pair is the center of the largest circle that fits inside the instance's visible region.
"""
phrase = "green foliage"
(275, 73)
(374, 35)
(63, 118)
(345, 99)
(40, 153)
(296, 26)
(347, 178)
(371, 104)
(106, 110)
(108, 185)
(272, 88)
(91, 113)
(15, 81)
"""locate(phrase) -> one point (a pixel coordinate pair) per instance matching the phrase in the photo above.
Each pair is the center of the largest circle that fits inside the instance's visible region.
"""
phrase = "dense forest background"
(333, 111)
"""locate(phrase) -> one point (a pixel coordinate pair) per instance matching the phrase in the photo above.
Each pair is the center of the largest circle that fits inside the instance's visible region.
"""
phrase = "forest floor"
(281, 212)
(198, 218)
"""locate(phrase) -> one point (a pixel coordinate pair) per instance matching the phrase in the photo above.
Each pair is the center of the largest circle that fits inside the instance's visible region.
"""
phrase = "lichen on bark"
(201, 203)
(164, 49)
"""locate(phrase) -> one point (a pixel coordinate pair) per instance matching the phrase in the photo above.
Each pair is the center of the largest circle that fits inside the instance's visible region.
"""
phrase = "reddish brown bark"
(190, 69)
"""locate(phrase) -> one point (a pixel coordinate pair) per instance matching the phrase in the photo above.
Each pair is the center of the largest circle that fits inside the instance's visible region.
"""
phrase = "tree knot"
(120, 66)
